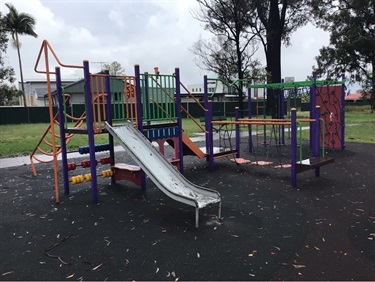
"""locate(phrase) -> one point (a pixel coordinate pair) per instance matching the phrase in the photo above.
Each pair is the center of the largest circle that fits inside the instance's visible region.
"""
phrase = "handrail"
(45, 44)
(195, 99)
(182, 107)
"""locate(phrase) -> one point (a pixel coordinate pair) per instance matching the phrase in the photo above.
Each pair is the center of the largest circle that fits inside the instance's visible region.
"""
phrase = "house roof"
(354, 96)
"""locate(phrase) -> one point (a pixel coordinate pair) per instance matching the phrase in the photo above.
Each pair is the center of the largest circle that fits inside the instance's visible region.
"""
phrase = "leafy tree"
(229, 54)
(114, 68)
(244, 21)
(351, 24)
(7, 91)
(19, 24)
(274, 22)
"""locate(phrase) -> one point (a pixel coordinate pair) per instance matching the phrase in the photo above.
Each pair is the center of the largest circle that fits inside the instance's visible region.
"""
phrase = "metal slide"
(161, 171)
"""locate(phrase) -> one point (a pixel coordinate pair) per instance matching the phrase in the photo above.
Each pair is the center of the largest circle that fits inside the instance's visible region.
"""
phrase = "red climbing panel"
(329, 99)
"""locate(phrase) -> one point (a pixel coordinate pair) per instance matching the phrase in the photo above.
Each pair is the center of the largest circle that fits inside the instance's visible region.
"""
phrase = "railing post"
(210, 139)
(138, 94)
(107, 83)
(90, 132)
(249, 115)
(343, 111)
(179, 120)
(316, 144)
(208, 113)
(312, 107)
(61, 101)
(238, 134)
(293, 160)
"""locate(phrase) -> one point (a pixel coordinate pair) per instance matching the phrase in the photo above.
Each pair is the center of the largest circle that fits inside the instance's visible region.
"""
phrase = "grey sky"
(149, 33)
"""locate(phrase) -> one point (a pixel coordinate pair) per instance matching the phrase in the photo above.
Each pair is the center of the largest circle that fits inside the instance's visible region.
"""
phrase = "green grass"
(21, 139)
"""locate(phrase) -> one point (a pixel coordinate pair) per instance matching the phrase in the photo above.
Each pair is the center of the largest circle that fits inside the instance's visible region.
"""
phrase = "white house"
(36, 90)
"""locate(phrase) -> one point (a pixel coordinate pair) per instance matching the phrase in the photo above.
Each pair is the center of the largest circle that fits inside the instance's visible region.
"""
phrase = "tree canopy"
(229, 54)
(114, 68)
(351, 24)
(16, 24)
(7, 90)
(239, 25)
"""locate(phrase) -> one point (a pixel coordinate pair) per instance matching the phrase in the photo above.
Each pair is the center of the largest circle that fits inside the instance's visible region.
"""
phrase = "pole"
(293, 170)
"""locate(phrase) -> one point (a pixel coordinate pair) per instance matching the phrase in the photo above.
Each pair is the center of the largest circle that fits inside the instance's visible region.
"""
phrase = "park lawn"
(21, 139)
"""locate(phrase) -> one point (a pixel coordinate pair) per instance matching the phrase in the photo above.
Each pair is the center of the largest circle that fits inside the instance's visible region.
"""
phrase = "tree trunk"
(274, 72)
(21, 72)
(273, 55)
(240, 77)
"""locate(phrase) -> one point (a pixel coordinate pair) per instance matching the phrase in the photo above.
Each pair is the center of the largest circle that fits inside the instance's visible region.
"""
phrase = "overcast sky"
(145, 32)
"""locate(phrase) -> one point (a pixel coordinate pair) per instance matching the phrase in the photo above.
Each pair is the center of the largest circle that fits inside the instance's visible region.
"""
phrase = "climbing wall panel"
(329, 99)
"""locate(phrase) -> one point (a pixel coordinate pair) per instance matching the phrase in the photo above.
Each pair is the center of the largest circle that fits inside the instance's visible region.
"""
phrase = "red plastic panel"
(329, 100)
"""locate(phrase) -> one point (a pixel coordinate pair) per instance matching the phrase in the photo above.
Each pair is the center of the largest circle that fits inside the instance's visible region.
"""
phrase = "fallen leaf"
(7, 273)
(70, 276)
(96, 267)
(298, 266)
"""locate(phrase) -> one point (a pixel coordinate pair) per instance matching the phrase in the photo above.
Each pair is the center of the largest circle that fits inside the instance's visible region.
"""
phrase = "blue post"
(316, 144)
(343, 111)
(90, 132)
(238, 136)
(210, 139)
(312, 107)
(179, 120)
(138, 94)
(249, 115)
(61, 102)
(293, 170)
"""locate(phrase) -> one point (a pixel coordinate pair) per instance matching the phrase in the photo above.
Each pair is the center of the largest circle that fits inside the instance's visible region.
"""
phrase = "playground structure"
(145, 104)
(149, 105)
(327, 111)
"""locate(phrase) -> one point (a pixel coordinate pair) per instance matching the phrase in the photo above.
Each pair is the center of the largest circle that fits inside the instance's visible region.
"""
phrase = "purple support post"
(343, 111)
(138, 95)
(179, 119)
(312, 107)
(107, 83)
(210, 139)
(208, 113)
(282, 115)
(249, 115)
(146, 101)
(61, 101)
(238, 136)
(90, 132)
(316, 144)
(293, 171)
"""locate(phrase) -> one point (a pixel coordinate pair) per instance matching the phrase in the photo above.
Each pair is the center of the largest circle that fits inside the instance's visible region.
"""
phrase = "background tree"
(114, 68)
(351, 24)
(7, 91)
(229, 54)
(273, 23)
(244, 21)
(19, 24)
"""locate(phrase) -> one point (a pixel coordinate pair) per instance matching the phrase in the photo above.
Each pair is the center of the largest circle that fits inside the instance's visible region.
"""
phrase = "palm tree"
(19, 24)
